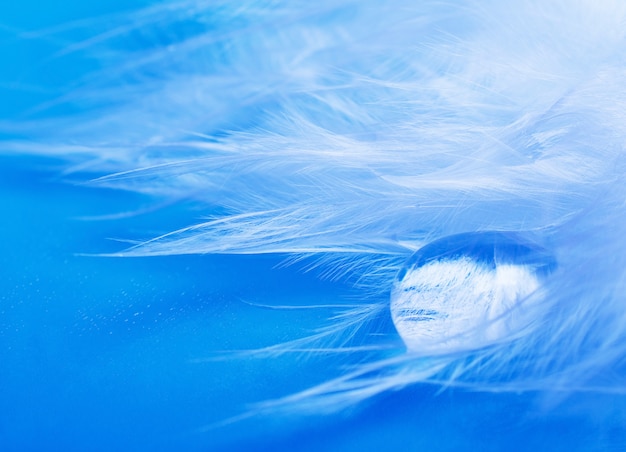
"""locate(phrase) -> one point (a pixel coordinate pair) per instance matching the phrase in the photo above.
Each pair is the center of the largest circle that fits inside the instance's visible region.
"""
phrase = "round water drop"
(463, 292)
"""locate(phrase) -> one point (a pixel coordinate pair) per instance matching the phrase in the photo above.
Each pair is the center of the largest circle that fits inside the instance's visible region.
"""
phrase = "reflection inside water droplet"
(464, 291)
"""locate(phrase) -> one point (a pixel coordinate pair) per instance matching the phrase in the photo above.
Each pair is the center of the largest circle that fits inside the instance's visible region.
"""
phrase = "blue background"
(109, 353)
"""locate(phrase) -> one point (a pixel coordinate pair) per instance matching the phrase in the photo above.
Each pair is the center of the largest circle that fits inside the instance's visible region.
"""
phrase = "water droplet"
(464, 291)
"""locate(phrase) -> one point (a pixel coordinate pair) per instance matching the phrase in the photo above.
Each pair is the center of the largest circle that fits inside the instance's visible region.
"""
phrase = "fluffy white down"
(355, 132)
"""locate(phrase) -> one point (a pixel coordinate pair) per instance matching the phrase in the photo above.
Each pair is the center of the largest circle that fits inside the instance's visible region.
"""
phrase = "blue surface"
(102, 353)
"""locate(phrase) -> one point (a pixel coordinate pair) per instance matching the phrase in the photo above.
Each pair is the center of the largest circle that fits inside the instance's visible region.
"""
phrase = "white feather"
(356, 132)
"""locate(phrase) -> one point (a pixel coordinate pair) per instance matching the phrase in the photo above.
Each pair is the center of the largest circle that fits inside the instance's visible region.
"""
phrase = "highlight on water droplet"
(467, 291)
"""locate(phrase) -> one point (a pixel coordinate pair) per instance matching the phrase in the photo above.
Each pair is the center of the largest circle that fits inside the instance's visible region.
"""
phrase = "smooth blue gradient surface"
(101, 353)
